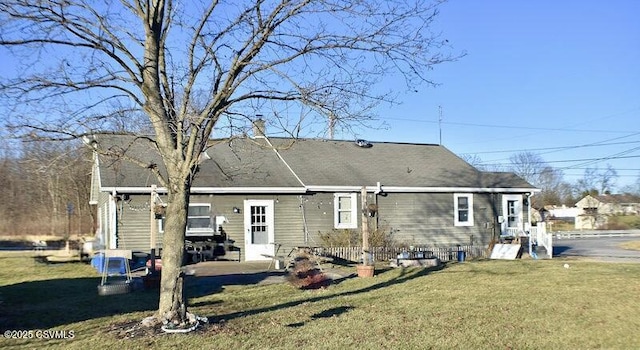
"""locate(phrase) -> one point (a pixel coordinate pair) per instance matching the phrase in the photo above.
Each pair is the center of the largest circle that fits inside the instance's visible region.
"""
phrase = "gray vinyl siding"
(412, 218)
(319, 213)
(289, 228)
(428, 219)
(289, 220)
(133, 231)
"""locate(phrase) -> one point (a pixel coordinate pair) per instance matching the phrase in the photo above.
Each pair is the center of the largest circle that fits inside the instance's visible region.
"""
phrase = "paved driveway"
(598, 248)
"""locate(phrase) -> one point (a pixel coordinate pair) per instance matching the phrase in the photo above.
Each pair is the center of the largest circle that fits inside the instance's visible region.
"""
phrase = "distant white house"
(551, 214)
(563, 212)
(594, 211)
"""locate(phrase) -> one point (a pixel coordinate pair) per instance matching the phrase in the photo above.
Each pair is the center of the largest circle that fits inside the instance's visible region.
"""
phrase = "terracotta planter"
(365, 270)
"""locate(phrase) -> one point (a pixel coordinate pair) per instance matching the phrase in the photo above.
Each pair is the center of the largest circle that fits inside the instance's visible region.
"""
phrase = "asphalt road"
(597, 248)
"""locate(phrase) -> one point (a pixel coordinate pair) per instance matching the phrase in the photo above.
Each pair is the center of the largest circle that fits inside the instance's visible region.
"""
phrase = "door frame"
(519, 211)
(257, 251)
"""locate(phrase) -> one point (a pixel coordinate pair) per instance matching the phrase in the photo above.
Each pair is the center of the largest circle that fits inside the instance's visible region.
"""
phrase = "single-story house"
(595, 210)
(278, 193)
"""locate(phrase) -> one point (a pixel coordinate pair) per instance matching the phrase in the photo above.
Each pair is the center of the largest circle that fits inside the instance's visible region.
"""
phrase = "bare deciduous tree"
(88, 65)
(533, 168)
(550, 181)
(39, 180)
(596, 181)
(528, 165)
(632, 188)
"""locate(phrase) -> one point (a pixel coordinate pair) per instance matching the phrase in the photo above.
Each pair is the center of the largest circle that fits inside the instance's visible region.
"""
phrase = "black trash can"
(461, 255)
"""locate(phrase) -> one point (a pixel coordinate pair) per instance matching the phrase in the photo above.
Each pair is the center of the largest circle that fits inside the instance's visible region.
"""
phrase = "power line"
(612, 157)
(562, 148)
(618, 155)
(593, 144)
(617, 169)
(502, 126)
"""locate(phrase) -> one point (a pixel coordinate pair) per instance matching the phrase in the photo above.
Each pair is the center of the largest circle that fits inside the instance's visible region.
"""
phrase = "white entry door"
(259, 230)
(512, 212)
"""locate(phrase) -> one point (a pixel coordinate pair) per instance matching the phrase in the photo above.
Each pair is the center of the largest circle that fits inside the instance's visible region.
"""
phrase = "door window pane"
(259, 228)
(512, 214)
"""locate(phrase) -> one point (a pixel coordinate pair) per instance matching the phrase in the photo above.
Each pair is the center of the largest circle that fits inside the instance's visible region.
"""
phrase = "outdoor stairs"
(542, 252)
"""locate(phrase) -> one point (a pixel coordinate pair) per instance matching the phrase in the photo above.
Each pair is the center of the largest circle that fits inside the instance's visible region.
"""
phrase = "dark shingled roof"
(618, 198)
(246, 162)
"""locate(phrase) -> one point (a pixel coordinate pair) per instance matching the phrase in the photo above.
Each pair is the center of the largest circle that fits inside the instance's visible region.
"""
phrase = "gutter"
(377, 189)
(209, 190)
(402, 189)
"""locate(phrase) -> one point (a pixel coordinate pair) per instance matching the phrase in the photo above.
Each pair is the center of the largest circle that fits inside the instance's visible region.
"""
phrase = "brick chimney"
(258, 128)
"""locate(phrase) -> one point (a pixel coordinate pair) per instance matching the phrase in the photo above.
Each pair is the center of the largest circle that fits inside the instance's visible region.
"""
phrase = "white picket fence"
(354, 254)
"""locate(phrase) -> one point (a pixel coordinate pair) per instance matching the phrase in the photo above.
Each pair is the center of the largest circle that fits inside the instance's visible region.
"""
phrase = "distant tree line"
(555, 190)
(46, 188)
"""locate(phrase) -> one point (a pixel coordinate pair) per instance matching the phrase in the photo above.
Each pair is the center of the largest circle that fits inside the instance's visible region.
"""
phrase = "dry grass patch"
(631, 245)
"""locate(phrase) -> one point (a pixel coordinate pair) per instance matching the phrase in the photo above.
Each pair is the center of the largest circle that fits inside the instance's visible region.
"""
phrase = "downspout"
(378, 189)
(494, 219)
(305, 228)
(531, 252)
(113, 213)
(376, 192)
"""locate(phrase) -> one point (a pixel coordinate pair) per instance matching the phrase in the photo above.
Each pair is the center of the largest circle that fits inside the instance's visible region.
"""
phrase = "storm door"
(259, 230)
(512, 215)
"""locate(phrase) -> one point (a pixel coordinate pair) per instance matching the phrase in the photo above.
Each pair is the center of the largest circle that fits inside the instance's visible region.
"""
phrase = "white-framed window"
(345, 210)
(463, 209)
(199, 220)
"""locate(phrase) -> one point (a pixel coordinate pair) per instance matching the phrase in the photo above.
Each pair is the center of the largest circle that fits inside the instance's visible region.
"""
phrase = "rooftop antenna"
(440, 123)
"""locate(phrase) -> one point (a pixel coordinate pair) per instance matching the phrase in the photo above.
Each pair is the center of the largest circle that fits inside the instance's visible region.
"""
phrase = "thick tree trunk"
(171, 305)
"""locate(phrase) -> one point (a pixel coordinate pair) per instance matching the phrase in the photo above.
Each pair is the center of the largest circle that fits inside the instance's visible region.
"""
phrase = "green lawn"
(523, 304)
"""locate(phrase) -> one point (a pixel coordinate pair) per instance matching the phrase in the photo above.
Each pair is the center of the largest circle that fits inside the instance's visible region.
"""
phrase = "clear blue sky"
(538, 75)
